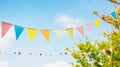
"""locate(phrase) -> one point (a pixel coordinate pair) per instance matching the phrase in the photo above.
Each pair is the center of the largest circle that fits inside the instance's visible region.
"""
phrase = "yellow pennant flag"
(32, 33)
(70, 32)
(97, 22)
(46, 34)
(58, 33)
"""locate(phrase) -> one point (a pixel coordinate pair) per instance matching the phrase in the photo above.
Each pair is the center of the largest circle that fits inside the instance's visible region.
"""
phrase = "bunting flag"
(46, 34)
(58, 33)
(118, 10)
(80, 29)
(113, 14)
(18, 31)
(5, 27)
(97, 22)
(89, 26)
(106, 18)
(32, 33)
(70, 32)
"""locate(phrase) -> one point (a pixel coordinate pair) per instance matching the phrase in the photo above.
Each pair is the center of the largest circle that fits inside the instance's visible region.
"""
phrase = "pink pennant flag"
(106, 18)
(5, 27)
(89, 26)
(80, 29)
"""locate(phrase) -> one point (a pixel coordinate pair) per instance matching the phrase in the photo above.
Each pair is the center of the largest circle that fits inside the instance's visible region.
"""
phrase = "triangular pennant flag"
(70, 32)
(80, 29)
(106, 18)
(89, 26)
(118, 10)
(113, 14)
(46, 34)
(5, 27)
(32, 33)
(58, 33)
(97, 22)
(18, 31)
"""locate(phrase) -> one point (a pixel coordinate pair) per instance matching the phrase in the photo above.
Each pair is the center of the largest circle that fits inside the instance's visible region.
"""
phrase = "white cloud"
(6, 41)
(58, 64)
(68, 21)
(3, 63)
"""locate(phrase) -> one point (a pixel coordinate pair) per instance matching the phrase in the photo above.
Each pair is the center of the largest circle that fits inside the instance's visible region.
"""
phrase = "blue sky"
(48, 14)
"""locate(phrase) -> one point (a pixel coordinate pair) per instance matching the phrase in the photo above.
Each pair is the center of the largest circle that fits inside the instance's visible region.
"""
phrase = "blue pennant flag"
(113, 14)
(18, 31)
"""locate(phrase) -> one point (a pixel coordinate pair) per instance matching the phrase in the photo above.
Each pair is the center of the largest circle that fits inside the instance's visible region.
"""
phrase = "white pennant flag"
(58, 33)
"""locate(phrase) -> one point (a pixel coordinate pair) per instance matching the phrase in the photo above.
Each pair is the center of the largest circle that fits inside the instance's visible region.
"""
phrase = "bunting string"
(22, 53)
(46, 33)
(29, 53)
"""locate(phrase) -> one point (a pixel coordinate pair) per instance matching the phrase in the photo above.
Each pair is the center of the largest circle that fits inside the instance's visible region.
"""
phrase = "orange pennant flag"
(118, 10)
(46, 34)
(80, 29)
(5, 27)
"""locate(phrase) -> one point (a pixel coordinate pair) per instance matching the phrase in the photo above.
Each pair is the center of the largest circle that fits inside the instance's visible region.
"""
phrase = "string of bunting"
(99, 53)
(46, 33)
(20, 53)
(29, 53)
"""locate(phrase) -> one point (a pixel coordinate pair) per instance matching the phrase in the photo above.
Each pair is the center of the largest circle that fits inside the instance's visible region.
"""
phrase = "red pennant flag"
(80, 29)
(5, 27)
(89, 26)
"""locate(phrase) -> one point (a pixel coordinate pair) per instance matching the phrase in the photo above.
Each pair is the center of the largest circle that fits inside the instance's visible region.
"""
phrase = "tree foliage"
(105, 53)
